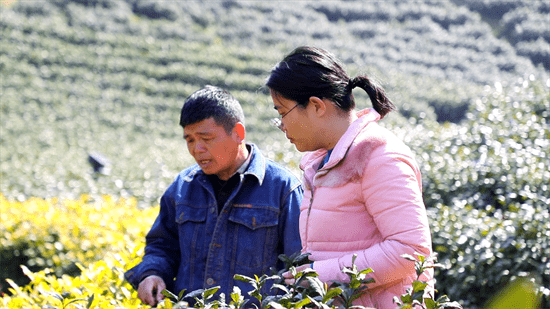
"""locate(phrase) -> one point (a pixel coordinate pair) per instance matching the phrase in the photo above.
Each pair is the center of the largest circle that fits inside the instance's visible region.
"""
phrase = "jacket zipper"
(308, 211)
(309, 207)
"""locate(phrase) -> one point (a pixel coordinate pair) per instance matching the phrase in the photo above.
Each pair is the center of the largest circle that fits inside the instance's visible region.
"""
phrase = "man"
(232, 213)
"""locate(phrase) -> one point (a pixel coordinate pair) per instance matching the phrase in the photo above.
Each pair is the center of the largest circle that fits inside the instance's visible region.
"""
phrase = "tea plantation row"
(110, 76)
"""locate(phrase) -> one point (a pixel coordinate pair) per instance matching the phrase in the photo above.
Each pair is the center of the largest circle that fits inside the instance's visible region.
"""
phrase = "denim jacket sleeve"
(161, 251)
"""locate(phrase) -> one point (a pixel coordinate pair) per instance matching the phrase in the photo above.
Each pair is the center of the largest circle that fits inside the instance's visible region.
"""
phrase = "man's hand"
(149, 290)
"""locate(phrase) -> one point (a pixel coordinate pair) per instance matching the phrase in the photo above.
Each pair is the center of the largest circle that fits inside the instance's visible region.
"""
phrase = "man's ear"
(319, 106)
(240, 130)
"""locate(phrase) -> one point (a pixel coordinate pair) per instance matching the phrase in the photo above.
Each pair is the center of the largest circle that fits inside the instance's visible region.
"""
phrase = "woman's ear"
(319, 106)
(240, 130)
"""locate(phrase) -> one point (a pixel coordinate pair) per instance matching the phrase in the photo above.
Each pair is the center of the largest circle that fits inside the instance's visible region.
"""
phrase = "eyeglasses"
(278, 121)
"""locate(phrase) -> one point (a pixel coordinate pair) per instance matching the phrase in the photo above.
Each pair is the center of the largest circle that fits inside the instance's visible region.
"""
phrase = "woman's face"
(296, 123)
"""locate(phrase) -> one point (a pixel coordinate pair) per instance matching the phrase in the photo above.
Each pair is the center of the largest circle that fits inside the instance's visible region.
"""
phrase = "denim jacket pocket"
(185, 213)
(255, 237)
(254, 217)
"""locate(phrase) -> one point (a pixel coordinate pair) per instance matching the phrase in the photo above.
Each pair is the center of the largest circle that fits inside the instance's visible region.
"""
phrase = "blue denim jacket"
(193, 247)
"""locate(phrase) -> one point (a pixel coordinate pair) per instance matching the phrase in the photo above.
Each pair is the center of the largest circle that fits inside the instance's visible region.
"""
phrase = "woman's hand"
(289, 278)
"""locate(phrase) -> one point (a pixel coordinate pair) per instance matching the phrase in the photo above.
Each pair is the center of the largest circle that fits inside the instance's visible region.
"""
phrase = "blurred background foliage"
(470, 78)
(487, 189)
(110, 76)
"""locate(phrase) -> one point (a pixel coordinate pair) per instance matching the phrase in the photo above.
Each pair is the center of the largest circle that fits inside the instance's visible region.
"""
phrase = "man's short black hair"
(214, 102)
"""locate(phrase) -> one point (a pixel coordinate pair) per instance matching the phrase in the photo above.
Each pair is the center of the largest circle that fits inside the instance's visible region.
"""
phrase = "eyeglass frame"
(278, 122)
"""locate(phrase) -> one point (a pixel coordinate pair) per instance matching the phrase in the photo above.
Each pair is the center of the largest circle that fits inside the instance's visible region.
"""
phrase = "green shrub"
(497, 157)
(487, 189)
(102, 285)
(103, 238)
(58, 235)
(538, 51)
(520, 22)
(485, 250)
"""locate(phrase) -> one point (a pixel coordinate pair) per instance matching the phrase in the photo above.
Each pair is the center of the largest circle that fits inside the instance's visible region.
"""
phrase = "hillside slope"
(110, 76)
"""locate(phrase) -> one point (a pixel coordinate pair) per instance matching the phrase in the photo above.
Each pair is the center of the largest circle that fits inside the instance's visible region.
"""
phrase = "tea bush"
(484, 250)
(79, 250)
(60, 234)
(99, 281)
(523, 23)
(100, 284)
(498, 156)
(487, 189)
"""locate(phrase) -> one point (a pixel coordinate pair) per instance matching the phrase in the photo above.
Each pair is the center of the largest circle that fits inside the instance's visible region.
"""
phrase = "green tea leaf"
(332, 293)
(169, 294)
(210, 292)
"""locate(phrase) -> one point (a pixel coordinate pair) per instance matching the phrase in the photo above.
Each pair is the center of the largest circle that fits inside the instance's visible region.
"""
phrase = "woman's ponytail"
(380, 102)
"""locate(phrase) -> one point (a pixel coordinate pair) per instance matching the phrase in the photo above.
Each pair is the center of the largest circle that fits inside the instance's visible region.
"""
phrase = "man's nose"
(200, 147)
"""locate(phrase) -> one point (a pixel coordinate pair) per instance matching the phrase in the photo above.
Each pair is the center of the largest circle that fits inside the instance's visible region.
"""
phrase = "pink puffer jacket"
(366, 200)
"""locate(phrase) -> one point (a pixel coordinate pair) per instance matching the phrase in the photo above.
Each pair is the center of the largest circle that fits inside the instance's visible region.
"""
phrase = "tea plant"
(308, 291)
(65, 303)
(173, 298)
(486, 188)
(99, 285)
(414, 298)
(102, 285)
(356, 286)
(67, 233)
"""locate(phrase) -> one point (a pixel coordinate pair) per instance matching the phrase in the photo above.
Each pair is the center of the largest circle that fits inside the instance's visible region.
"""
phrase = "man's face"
(212, 148)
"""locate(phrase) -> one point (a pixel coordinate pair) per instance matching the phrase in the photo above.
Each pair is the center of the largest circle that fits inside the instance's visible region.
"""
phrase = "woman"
(363, 189)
